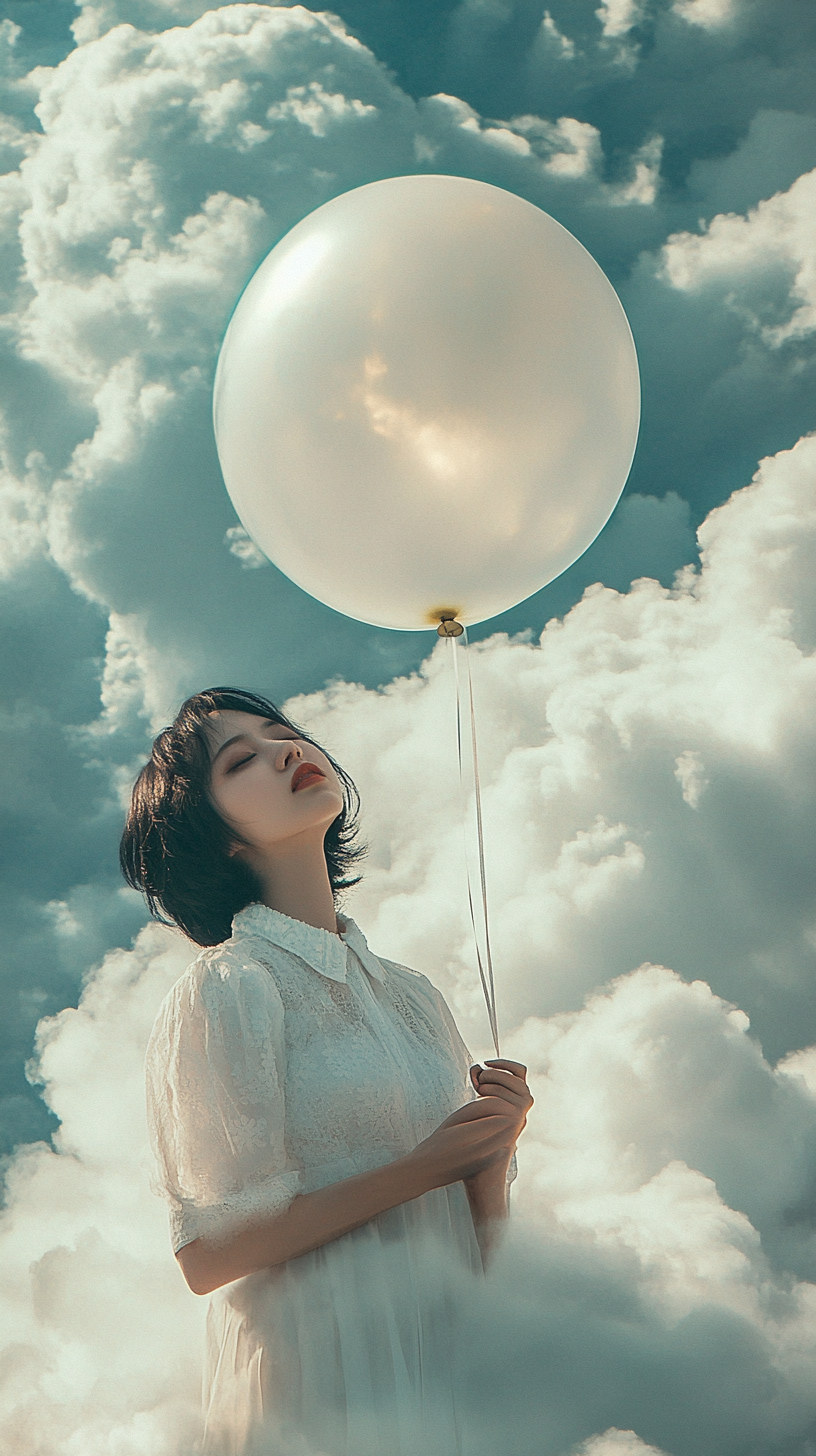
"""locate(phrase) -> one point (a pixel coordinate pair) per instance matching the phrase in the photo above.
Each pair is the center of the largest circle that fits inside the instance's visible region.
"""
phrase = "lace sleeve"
(215, 1069)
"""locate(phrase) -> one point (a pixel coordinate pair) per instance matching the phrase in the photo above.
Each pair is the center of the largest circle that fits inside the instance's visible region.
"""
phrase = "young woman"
(335, 1165)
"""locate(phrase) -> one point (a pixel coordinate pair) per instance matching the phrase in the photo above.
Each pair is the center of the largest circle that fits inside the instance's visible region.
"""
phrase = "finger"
(498, 1074)
(483, 1106)
(498, 1078)
(517, 1067)
(503, 1094)
(512, 1113)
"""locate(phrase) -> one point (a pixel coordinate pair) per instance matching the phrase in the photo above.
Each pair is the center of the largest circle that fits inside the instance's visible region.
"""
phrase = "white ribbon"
(487, 980)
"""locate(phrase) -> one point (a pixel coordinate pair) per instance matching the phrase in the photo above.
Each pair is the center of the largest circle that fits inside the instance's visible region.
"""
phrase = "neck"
(298, 885)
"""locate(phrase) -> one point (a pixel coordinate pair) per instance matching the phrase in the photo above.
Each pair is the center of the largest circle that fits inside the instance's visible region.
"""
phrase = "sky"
(646, 721)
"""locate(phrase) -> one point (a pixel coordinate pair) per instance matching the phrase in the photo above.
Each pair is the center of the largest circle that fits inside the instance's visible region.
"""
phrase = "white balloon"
(427, 401)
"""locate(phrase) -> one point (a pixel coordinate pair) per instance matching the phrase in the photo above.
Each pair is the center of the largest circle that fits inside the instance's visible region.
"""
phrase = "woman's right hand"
(467, 1142)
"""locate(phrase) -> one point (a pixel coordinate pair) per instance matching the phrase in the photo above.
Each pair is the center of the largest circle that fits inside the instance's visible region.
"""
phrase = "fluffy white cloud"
(647, 764)
(240, 544)
(616, 1443)
(746, 256)
(23, 510)
(647, 782)
(651, 753)
(690, 1144)
(550, 40)
(618, 17)
(101, 1341)
(707, 14)
(168, 163)
(630, 1272)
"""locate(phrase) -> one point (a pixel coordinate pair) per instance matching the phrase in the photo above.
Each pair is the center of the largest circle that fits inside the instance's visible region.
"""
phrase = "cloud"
(23, 507)
(708, 14)
(156, 172)
(729, 1159)
(746, 255)
(101, 1341)
(631, 1273)
(650, 754)
(745, 283)
(616, 1443)
(165, 166)
(646, 763)
(778, 147)
(618, 17)
(632, 1251)
(241, 545)
(62, 822)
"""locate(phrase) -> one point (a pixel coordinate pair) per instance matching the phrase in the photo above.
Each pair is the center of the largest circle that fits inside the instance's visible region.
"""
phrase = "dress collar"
(320, 949)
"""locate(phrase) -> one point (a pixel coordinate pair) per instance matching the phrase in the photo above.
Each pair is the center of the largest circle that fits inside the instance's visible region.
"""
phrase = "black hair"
(176, 847)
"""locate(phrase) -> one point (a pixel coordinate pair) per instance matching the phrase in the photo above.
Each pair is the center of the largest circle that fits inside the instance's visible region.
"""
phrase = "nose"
(288, 751)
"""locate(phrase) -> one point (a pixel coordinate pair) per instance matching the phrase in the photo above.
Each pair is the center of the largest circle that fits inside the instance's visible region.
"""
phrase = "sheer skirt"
(352, 1349)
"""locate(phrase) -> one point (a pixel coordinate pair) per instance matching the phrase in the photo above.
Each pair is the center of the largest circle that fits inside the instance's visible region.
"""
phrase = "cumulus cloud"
(165, 166)
(709, 14)
(101, 1343)
(618, 17)
(648, 755)
(62, 822)
(744, 282)
(240, 544)
(640, 1265)
(616, 1443)
(748, 254)
(133, 248)
(159, 167)
(646, 762)
(23, 507)
(613, 1199)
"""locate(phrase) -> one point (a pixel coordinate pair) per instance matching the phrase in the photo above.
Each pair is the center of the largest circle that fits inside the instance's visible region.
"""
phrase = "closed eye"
(240, 763)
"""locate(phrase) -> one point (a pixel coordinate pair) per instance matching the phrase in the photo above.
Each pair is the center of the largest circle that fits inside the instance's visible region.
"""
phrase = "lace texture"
(287, 1059)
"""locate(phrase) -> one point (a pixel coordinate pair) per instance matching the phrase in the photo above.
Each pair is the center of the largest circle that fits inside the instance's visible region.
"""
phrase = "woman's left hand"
(508, 1081)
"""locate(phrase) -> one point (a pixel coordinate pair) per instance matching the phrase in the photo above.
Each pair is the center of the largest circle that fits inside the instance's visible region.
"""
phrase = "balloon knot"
(449, 627)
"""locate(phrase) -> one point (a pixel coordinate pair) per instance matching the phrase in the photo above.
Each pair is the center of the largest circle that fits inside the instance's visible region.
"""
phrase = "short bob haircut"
(175, 846)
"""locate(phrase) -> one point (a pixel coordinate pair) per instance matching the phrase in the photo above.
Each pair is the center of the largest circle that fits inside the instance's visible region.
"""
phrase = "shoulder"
(405, 974)
(223, 982)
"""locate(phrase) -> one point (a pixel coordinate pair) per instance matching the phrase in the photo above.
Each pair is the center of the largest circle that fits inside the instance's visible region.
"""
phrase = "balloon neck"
(449, 627)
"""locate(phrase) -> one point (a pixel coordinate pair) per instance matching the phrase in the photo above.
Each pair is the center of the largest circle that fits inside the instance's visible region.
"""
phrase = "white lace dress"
(284, 1060)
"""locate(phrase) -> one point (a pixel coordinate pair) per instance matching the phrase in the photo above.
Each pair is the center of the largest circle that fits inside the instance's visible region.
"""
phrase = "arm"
(310, 1220)
(489, 1206)
(216, 1120)
(473, 1139)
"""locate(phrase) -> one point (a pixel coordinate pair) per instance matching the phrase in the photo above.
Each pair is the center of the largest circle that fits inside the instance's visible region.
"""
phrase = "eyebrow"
(266, 722)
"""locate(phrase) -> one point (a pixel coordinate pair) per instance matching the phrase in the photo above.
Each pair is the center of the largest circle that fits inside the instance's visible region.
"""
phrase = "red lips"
(306, 773)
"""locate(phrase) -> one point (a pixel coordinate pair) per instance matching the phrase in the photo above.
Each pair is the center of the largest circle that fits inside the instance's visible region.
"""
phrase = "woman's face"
(269, 784)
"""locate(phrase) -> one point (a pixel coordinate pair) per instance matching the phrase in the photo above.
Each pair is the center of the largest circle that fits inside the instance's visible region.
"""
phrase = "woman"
(331, 1167)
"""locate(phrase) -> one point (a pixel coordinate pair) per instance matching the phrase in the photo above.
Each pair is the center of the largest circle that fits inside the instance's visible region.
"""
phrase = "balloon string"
(487, 981)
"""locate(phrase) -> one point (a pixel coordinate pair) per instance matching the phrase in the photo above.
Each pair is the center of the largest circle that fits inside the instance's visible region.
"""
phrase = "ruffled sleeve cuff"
(221, 1221)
